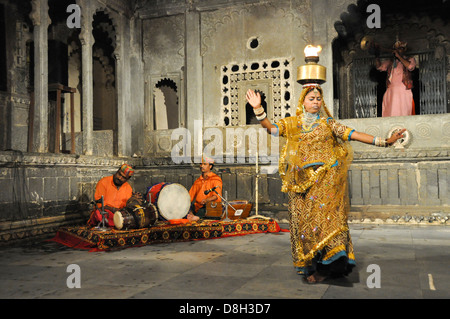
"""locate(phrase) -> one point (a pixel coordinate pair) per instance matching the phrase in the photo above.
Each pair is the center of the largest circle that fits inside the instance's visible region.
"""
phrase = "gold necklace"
(306, 126)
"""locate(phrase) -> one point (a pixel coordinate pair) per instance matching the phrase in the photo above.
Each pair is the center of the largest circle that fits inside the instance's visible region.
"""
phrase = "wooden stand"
(59, 88)
(256, 191)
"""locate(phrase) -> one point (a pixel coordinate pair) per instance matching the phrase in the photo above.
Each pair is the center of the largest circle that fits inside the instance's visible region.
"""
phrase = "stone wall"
(41, 192)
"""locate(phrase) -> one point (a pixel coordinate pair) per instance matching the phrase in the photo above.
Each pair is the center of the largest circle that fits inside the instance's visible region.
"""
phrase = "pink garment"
(398, 100)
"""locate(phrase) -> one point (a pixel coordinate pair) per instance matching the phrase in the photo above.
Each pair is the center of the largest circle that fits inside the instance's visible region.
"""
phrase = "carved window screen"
(273, 78)
(364, 89)
(433, 86)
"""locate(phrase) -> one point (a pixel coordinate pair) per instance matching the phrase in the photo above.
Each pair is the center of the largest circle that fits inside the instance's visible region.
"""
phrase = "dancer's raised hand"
(254, 99)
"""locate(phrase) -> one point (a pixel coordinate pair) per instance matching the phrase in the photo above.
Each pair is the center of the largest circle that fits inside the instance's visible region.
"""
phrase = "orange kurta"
(112, 196)
(199, 187)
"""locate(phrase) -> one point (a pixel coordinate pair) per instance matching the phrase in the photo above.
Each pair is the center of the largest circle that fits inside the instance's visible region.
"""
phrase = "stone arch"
(166, 104)
(104, 70)
(114, 25)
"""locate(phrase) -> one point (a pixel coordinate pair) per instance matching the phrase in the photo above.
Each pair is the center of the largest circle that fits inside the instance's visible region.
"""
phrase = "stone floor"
(413, 263)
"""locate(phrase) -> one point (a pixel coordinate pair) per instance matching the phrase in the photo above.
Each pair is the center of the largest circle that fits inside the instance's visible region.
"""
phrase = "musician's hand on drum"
(208, 199)
(254, 99)
(137, 195)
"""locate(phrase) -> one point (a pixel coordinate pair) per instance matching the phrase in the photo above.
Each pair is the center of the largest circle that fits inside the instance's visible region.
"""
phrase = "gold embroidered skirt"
(318, 224)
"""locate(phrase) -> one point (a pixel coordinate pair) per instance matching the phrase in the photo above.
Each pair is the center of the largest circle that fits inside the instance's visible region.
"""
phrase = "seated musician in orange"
(200, 191)
(116, 194)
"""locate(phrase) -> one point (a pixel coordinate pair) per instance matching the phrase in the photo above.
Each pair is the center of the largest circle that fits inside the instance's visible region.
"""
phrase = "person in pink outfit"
(398, 98)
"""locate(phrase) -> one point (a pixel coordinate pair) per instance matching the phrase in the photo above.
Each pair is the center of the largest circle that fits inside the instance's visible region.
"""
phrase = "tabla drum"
(172, 200)
(136, 217)
(150, 214)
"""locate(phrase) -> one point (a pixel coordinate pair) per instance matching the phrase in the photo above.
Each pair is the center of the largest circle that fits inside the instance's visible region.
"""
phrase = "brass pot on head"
(311, 72)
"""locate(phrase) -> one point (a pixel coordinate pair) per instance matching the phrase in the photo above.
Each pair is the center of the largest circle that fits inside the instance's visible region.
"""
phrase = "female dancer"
(313, 167)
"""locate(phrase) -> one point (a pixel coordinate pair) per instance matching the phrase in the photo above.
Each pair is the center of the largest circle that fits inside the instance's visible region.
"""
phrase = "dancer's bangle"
(380, 142)
(261, 117)
(259, 110)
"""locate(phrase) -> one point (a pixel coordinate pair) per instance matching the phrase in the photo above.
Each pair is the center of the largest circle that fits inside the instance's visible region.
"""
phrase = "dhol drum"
(136, 217)
(172, 200)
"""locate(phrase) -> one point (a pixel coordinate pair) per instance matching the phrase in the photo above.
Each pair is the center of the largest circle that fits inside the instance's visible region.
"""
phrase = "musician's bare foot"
(191, 217)
(315, 278)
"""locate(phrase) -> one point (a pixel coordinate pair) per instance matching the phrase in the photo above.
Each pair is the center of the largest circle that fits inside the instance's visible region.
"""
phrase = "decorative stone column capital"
(39, 8)
(86, 37)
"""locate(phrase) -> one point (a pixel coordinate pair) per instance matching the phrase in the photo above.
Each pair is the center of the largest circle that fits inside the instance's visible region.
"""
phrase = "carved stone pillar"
(87, 41)
(194, 80)
(41, 21)
(123, 81)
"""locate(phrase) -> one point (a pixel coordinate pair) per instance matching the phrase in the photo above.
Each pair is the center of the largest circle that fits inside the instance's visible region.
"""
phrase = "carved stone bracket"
(37, 8)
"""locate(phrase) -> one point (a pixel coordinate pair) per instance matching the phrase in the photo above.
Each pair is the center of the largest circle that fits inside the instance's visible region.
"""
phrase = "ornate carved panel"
(272, 77)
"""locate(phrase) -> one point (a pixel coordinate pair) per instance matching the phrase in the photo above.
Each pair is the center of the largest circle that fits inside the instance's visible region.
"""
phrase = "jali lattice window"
(272, 78)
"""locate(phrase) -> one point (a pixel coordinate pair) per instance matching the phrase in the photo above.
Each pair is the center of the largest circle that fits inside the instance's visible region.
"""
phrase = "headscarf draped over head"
(308, 87)
(127, 170)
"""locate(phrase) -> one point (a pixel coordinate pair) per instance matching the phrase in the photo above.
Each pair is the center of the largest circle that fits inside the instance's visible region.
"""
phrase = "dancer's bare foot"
(315, 278)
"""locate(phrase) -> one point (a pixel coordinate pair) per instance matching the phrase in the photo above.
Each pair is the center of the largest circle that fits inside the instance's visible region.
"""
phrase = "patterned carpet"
(87, 237)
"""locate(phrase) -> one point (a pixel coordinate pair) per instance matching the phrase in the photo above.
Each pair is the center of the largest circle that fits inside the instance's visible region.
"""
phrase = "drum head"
(118, 220)
(174, 201)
